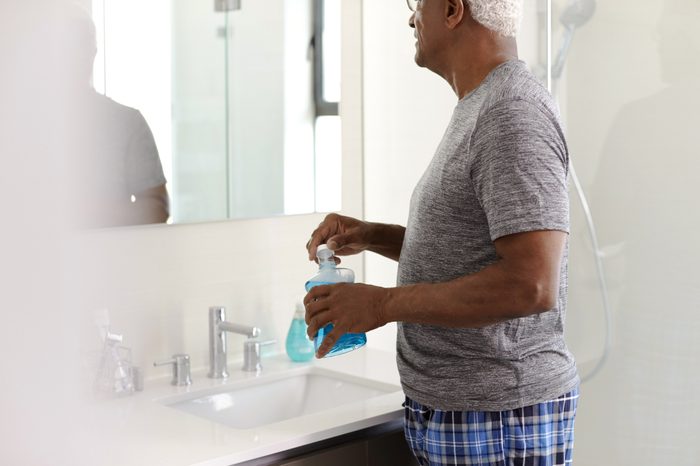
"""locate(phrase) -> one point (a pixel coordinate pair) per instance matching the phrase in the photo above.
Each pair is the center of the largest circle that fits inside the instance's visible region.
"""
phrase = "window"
(326, 44)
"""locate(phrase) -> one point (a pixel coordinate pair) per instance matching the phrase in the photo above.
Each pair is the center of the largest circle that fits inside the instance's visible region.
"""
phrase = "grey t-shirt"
(122, 154)
(500, 169)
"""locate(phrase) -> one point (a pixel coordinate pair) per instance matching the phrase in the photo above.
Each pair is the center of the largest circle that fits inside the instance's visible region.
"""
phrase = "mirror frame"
(351, 105)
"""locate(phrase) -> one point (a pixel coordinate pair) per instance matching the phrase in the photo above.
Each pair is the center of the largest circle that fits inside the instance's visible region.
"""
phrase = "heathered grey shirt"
(500, 169)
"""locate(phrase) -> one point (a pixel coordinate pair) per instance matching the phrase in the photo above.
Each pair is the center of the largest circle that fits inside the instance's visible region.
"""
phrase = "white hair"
(501, 16)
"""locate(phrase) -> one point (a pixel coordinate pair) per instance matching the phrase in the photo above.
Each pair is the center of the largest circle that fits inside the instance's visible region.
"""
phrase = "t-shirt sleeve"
(143, 166)
(519, 169)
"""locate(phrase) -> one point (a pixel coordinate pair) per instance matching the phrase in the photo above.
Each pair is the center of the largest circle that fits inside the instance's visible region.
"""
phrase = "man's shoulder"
(108, 107)
(513, 85)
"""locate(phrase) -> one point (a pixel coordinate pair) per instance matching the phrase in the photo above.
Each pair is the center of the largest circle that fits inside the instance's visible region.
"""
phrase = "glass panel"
(199, 112)
(629, 96)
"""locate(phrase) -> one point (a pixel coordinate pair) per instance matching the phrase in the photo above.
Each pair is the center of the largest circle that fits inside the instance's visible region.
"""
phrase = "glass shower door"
(200, 112)
(628, 91)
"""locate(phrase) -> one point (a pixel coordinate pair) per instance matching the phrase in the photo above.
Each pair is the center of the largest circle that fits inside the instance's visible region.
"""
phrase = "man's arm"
(150, 206)
(387, 240)
(524, 281)
(346, 236)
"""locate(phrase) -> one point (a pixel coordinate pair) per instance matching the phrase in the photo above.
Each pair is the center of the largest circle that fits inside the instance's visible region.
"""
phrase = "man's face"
(426, 21)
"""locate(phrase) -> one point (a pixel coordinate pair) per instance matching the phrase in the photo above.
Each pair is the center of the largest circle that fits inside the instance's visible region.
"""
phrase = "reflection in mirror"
(123, 181)
(241, 99)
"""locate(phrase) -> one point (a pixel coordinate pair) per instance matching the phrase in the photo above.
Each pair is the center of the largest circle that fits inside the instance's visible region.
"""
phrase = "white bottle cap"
(322, 252)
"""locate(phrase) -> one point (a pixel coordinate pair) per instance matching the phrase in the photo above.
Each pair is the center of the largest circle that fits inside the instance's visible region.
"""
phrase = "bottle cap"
(322, 252)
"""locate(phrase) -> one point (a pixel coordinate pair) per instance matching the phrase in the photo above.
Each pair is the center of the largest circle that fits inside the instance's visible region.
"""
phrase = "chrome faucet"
(217, 340)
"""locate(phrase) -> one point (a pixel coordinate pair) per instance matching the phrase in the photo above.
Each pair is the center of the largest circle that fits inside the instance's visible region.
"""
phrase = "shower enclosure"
(628, 88)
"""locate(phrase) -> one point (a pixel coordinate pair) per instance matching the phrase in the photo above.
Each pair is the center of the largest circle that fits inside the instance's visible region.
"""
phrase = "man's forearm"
(387, 240)
(523, 281)
(487, 297)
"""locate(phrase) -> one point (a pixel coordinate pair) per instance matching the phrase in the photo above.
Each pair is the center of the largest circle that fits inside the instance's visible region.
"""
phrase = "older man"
(481, 299)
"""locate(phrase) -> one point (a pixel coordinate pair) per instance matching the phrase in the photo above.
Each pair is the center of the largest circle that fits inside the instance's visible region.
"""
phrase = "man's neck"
(468, 71)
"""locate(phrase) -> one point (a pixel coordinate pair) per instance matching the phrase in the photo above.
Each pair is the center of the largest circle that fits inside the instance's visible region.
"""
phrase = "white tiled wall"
(158, 282)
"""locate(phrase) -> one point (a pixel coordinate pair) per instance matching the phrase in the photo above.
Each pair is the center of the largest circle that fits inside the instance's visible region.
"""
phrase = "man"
(122, 180)
(482, 262)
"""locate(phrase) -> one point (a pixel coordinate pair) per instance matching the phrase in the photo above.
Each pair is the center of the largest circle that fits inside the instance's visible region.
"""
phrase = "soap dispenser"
(299, 347)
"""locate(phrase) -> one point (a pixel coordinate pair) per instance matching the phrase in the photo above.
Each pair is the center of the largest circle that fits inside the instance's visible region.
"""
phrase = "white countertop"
(140, 430)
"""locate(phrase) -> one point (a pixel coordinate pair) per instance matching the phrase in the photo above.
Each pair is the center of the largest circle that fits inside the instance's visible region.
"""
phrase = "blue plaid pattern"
(537, 435)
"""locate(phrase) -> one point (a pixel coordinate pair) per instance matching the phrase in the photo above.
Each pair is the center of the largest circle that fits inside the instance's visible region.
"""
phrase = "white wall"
(158, 282)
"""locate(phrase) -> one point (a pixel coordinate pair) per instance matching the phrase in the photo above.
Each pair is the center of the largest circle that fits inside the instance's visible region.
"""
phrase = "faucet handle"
(252, 354)
(181, 369)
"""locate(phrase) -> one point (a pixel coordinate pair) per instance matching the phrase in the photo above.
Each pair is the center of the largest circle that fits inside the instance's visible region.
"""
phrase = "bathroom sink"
(259, 401)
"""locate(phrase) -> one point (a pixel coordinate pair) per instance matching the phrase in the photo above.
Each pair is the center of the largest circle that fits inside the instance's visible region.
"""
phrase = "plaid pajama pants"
(537, 435)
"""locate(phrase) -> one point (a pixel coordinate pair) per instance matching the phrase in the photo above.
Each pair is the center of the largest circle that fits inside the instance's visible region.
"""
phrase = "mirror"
(241, 99)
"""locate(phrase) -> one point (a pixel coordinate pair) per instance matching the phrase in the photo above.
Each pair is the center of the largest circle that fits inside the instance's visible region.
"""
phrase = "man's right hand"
(345, 236)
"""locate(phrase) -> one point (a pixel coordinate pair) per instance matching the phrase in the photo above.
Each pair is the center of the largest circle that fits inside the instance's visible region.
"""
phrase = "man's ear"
(454, 13)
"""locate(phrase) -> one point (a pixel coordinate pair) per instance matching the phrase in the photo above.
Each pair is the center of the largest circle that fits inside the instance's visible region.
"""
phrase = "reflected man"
(122, 180)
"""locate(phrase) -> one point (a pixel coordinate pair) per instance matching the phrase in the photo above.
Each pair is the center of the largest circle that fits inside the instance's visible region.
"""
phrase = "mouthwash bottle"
(299, 347)
(329, 274)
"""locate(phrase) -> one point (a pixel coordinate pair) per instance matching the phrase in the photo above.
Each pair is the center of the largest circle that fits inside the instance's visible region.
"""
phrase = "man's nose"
(411, 22)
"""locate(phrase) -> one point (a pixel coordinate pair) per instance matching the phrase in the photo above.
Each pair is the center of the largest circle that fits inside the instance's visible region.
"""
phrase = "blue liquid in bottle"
(329, 274)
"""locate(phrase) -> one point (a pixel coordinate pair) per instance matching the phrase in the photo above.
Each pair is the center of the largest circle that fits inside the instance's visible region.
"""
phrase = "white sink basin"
(265, 400)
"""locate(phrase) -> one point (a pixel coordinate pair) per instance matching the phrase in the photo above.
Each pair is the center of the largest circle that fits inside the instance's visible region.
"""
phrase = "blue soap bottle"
(299, 347)
(329, 274)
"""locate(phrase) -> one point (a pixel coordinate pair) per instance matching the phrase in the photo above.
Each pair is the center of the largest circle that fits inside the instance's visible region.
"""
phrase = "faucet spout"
(250, 332)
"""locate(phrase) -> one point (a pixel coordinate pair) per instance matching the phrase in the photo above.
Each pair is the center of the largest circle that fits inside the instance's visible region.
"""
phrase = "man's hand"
(345, 236)
(353, 308)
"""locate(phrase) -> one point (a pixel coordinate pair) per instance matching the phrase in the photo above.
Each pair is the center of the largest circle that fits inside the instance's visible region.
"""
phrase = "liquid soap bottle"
(329, 274)
(299, 347)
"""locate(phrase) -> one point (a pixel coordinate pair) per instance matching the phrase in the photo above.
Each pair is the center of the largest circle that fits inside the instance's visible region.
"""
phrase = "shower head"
(574, 16)
(227, 5)
(577, 13)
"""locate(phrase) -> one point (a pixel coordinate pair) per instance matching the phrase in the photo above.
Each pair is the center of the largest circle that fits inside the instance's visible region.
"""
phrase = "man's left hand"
(353, 308)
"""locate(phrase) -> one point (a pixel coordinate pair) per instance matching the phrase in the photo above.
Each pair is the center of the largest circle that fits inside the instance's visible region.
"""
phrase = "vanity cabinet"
(377, 446)
(384, 450)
